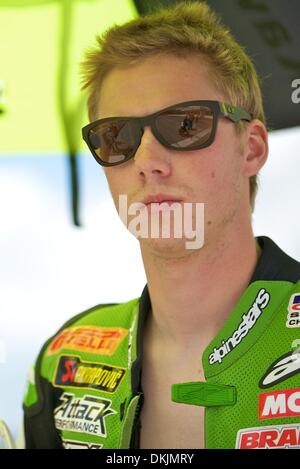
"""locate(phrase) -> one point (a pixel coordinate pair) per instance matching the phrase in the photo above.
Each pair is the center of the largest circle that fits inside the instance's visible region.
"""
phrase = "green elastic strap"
(203, 394)
(128, 422)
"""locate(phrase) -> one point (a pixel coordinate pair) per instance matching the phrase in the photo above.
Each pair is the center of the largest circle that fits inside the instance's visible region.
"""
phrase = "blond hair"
(181, 30)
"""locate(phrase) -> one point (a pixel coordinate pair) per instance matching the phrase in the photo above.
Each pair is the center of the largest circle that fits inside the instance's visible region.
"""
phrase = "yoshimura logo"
(248, 321)
(85, 414)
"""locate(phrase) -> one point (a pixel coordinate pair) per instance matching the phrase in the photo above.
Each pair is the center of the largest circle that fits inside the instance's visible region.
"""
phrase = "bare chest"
(166, 424)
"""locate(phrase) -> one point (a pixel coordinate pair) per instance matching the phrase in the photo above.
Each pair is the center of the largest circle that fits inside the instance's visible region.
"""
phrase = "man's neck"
(192, 296)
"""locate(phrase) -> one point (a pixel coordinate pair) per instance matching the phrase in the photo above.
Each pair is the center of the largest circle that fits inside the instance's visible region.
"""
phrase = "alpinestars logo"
(283, 368)
(85, 414)
(248, 322)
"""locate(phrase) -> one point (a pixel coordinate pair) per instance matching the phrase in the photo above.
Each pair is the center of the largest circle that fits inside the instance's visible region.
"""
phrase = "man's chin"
(166, 247)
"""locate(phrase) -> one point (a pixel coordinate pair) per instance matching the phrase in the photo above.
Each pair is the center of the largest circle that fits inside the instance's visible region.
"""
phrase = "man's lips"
(161, 198)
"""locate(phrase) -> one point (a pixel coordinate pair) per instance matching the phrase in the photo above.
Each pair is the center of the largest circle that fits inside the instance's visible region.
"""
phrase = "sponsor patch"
(247, 323)
(73, 444)
(277, 436)
(293, 317)
(76, 373)
(276, 404)
(281, 369)
(90, 339)
(85, 414)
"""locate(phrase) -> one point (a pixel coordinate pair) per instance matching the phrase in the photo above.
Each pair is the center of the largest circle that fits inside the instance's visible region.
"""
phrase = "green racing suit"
(85, 391)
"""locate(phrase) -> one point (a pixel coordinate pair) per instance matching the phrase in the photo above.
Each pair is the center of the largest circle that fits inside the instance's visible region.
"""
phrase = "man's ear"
(256, 147)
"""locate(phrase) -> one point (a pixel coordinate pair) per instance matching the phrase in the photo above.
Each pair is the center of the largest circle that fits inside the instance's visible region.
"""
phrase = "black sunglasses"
(184, 126)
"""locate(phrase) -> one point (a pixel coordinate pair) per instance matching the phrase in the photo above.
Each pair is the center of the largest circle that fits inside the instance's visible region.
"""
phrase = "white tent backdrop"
(50, 270)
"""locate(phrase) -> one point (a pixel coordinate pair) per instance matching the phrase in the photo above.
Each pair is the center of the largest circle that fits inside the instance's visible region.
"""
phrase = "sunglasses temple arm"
(234, 113)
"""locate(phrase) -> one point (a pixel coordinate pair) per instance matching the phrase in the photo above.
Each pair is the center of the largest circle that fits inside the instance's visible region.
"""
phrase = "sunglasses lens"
(182, 127)
(186, 127)
(114, 141)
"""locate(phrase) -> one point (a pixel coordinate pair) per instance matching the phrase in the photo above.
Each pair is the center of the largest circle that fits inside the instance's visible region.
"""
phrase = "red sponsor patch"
(90, 339)
(278, 404)
(279, 436)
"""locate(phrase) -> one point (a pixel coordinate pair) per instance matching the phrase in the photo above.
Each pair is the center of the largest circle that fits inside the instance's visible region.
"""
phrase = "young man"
(207, 356)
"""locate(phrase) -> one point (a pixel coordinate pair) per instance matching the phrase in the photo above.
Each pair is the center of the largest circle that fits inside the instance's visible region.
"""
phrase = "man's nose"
(151, 157)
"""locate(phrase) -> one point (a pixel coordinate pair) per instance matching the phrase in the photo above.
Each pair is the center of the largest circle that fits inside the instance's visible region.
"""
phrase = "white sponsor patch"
(85, 414)
(293, 317)
(272, 437)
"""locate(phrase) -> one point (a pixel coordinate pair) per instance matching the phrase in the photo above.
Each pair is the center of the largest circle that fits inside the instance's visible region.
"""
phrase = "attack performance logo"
(293, 317)
(273, 437)
(248, 322)
(74, 372)
(283, 368)
(85, 414)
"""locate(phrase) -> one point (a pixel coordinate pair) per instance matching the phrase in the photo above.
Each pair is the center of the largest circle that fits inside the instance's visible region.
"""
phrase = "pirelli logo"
(89, 339)
(73, 372)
